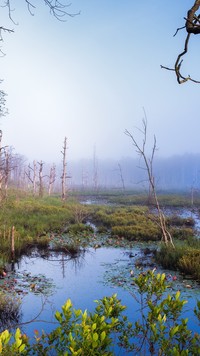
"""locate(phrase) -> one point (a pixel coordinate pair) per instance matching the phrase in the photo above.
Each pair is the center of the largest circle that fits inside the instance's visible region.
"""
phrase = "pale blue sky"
(89, 78)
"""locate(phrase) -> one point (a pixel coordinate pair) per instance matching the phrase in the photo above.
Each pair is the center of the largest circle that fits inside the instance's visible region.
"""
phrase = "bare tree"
(17, 174)
(84, 179)
(121, 176)
(141, 150)
(58, 9)
(1, 160)
(52, 178)
(41, 177)
(31, 173)
(8, 166)
(192, 26)
(64, 175)
(95, 170)
(3, 110)
(5, 165)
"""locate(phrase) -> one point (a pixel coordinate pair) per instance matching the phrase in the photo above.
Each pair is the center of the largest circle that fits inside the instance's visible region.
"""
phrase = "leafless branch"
(141, 150)
(59, 9)
(192, 26)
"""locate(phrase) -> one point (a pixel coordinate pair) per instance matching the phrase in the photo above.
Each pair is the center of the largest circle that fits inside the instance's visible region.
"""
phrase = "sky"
(91, 77)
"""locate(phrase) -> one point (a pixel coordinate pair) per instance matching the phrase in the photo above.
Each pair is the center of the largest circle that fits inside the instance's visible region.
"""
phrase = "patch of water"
(95, 274)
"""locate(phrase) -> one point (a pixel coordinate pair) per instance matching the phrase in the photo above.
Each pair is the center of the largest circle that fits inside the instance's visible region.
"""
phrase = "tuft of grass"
(189, 263)
(9, 310)
(185, 257)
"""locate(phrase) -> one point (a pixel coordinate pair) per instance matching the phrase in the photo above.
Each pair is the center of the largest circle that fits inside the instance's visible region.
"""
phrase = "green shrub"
(75, 229)
(160, 330)
(189, 263)
(184, 257)
(169, 257)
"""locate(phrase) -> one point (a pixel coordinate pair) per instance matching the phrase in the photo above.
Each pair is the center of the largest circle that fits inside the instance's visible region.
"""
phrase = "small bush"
(169, 257)
(183, 257)
(75, 229)
(189, 263)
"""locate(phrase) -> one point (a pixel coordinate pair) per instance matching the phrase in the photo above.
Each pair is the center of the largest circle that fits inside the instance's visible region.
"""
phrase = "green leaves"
(159, 330)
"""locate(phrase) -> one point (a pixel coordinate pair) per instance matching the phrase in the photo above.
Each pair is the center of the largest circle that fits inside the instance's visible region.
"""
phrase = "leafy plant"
(160, 330)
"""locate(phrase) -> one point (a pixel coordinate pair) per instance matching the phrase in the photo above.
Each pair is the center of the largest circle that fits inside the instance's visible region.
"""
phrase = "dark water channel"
(94, 274)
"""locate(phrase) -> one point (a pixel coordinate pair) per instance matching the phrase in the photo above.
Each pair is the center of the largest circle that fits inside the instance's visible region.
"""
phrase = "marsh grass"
(35, 220)
(185, 257)
(189, 263)
(166, 199)
(9, 310)
(138, 223)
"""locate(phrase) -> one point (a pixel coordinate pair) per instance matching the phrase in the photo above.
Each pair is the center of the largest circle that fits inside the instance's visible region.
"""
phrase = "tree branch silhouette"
(192, 26)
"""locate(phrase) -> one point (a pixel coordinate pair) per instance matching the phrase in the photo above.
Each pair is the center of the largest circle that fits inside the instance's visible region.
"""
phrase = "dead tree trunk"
(121, 177)
(84, 179)
(1, 161)
(95, 171)
(140, 149)
(41, 185)
(7, 169)
(64, 169)
(52, 178)
(32, 177)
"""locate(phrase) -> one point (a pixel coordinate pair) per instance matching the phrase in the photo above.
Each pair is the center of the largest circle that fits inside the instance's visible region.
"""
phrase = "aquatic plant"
(9, 310)
(159, 330)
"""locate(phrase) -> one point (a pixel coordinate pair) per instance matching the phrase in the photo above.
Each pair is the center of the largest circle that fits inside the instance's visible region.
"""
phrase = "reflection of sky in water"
(81, 281)
(77, 280)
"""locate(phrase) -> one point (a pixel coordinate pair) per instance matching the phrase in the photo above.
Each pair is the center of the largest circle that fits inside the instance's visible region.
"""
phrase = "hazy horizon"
(90, 77)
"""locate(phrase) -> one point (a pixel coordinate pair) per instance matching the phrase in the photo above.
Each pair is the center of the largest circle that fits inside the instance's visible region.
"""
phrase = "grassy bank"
(35, 221)
(38, 221)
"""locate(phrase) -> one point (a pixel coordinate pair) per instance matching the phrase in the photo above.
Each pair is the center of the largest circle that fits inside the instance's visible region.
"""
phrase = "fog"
(89, 78)
(174, 173)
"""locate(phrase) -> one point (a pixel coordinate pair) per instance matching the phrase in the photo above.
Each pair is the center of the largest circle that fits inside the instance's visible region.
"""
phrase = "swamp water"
(44, 284)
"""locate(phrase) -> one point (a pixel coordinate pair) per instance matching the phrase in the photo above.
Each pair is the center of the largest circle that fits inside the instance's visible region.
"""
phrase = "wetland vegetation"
(51, 225)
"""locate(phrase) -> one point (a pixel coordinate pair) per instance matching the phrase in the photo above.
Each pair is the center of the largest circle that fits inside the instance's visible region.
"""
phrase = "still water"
(84, 280)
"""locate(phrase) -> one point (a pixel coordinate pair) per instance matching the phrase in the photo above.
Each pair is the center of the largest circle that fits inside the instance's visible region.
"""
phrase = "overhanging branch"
(192, 26)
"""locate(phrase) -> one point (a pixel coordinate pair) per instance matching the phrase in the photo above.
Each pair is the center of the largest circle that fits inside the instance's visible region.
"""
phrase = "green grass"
(36, 220)
(185, 257)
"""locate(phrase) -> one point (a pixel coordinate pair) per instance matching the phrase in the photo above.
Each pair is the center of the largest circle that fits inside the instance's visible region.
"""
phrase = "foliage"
(160, 329)
(78, 333)
(185, 257)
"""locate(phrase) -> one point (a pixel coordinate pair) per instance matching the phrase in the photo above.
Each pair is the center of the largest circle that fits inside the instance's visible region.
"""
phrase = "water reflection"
(83, 279)
(10, 311)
